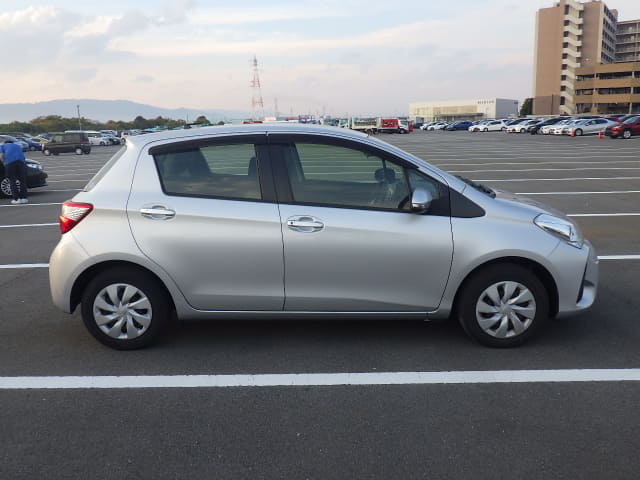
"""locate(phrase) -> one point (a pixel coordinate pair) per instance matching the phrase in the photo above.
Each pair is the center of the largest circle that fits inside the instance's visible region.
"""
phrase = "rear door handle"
(305, 224)
(158, 212)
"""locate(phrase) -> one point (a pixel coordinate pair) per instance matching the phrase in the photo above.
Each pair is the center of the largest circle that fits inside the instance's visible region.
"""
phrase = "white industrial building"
(463, 109)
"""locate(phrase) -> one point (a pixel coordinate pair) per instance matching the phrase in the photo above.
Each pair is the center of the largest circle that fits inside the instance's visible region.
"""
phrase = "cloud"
(144, 79)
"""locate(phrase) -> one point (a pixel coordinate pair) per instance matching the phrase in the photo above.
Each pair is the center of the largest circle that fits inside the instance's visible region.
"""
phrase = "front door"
(351, 242)
(202, 213)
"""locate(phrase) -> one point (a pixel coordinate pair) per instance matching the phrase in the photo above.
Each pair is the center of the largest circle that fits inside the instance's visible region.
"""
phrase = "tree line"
(56, 123)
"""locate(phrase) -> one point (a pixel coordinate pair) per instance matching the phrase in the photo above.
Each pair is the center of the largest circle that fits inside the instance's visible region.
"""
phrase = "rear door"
(351, 243)
(205, 211)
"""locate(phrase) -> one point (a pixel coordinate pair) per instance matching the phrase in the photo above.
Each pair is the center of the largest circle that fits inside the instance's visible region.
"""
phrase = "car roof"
(245, 129)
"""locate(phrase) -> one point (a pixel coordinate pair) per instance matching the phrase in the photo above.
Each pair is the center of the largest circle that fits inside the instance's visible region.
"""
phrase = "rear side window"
(219, 171)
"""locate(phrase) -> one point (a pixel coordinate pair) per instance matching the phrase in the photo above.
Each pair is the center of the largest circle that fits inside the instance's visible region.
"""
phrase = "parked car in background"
(290, 221)
(36, 177)
(535, 128)
(460, 125)
(21, 143)
(589, 126)
(68, 142)
(560, 129)
(550, 129)
(491, 126)
(521, 127)
(626, 129)
(437, 126)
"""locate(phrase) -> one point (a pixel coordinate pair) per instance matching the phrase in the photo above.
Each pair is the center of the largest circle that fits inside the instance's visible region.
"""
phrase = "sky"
(336, 57)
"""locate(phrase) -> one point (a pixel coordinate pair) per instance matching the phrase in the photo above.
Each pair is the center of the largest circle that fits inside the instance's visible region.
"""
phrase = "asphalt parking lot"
(494, 429)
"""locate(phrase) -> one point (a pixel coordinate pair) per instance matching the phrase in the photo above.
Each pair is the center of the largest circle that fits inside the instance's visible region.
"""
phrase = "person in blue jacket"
(15, 169)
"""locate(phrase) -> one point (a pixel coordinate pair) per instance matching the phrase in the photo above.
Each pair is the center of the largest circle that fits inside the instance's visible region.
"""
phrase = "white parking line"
(579, 193)
(25, 265)
(322, 379)
(514, 170)
(603, 214)
(619, 257)
(29, 225)
(31, 205)
(557, 162)
(498, 180)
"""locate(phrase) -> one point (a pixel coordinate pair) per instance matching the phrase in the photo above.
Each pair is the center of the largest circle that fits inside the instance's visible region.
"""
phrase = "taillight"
(72, 213)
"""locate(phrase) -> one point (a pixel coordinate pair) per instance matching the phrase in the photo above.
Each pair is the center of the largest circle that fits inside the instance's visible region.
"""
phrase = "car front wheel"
(626, 134)
(78, 151)
(502, 305)
(47, 152)
(125, 308)
(5, 187)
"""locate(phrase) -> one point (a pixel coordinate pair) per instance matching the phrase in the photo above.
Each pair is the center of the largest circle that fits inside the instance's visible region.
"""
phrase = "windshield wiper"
(478, 186)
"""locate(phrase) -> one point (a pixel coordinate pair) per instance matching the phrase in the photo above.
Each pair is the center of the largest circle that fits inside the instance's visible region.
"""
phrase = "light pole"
(79, 121)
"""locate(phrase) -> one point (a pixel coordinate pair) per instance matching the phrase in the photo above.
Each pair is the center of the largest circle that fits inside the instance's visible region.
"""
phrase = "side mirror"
(421, 201)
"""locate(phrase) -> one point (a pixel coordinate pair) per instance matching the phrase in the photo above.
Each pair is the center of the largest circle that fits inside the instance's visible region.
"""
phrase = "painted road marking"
(578, 193)
(29, 225)
(322, 379)
(25, 265)
(31, 205)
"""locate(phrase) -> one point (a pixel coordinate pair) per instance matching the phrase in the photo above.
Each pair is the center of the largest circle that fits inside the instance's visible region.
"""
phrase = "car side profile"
(67, 142)
(291, 221)
(628, 128)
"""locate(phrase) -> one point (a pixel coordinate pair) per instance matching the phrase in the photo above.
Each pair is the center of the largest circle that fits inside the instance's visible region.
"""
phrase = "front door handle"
(305, 224)
(158, 212)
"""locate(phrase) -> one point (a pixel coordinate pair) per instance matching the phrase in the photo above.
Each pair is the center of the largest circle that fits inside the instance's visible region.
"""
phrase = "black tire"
(501, 320)
(47, 152)
(132, 328)
(626, 134)
(578, 132)
(78, 151)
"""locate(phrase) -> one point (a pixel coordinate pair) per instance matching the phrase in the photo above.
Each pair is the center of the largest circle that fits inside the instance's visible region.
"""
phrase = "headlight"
(34, 165)
(561, 228)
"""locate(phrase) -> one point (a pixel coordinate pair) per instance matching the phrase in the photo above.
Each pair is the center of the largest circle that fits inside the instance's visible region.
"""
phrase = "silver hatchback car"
(293, 221)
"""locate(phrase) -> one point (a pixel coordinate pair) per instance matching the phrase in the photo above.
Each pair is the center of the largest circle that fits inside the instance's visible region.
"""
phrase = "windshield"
(631, 120)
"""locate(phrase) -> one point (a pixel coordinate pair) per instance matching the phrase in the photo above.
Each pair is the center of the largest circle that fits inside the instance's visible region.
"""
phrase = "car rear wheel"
(78, 151)
(626, 134)
(125, 308)
(502, 305)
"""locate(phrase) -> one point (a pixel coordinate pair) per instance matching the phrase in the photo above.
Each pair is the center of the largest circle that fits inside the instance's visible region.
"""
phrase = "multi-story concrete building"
(577, 47)
(463, 109)
(569, 35)
(610, 88)
(628, 41)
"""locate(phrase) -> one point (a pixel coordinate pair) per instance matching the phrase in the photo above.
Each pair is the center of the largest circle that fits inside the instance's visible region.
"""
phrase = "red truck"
(391, 125)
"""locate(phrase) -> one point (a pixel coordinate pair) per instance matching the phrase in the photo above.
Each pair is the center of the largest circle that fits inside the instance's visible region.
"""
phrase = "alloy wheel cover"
(122, 311)
(505, 309)
(5, 186)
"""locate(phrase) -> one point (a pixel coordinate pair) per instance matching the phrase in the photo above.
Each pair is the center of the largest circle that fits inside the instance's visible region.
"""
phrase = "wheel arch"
(85, 277)
(536, 268)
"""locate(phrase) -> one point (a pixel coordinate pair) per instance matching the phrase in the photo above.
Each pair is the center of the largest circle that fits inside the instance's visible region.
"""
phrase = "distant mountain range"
(104, 110)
